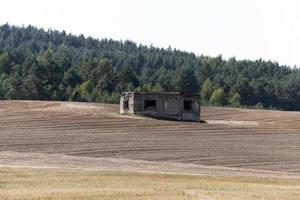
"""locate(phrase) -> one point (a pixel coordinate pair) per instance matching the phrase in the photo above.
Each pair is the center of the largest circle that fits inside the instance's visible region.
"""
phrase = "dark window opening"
(150, 104)
(125, 105)
(187, 105)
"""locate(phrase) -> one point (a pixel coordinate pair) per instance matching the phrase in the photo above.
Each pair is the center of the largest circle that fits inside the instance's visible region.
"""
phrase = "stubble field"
(83, 138)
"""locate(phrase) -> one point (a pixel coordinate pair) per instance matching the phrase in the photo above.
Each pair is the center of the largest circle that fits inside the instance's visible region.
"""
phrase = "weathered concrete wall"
(167, 105)
(126, 97)
(194, 113)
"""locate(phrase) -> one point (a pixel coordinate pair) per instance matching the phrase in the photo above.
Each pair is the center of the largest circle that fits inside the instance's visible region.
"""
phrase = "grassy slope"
(78, 184)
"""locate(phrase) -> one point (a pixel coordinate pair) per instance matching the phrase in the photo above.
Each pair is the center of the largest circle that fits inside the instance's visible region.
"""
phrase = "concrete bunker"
(163, 105)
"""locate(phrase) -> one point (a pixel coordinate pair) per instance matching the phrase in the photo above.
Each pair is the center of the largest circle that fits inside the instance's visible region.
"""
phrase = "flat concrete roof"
(167, 93)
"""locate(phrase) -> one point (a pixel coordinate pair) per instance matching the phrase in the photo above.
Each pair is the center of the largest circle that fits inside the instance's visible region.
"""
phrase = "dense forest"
(52, 65)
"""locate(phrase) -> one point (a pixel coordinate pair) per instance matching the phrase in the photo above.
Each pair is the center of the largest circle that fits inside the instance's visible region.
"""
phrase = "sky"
(245, 29)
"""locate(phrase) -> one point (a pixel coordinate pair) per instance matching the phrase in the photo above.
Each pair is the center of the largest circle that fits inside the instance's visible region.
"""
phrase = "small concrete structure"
(163, 105)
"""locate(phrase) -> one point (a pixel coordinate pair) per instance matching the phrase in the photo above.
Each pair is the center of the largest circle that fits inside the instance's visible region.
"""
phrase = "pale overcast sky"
(246, 29)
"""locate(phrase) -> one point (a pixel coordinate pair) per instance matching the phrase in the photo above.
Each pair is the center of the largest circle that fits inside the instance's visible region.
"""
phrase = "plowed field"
(232, 139)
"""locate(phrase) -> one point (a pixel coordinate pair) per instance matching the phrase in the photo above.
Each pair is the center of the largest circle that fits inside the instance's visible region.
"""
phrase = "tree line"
(51, 65)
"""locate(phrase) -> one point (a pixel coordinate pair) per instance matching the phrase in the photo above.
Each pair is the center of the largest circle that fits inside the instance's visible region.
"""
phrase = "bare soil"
(89, 135)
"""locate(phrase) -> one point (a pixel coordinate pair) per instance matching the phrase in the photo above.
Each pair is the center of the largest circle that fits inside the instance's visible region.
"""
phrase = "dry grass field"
(58, 184)
(238, 154)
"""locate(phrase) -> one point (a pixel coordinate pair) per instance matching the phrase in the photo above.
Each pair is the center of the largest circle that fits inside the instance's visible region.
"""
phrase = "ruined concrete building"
(164, 105)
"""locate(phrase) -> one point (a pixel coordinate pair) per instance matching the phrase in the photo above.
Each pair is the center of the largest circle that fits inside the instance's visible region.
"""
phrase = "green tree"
(235, 99)
(186, 80)
(103, 76)
(70, 80)
(83, 92)
(5, 63)
(217, 98)
(38, 64)
(206, 90)
(127, 79)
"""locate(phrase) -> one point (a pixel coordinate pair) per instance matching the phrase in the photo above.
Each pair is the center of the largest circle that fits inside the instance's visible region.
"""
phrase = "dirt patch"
(233, 123)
